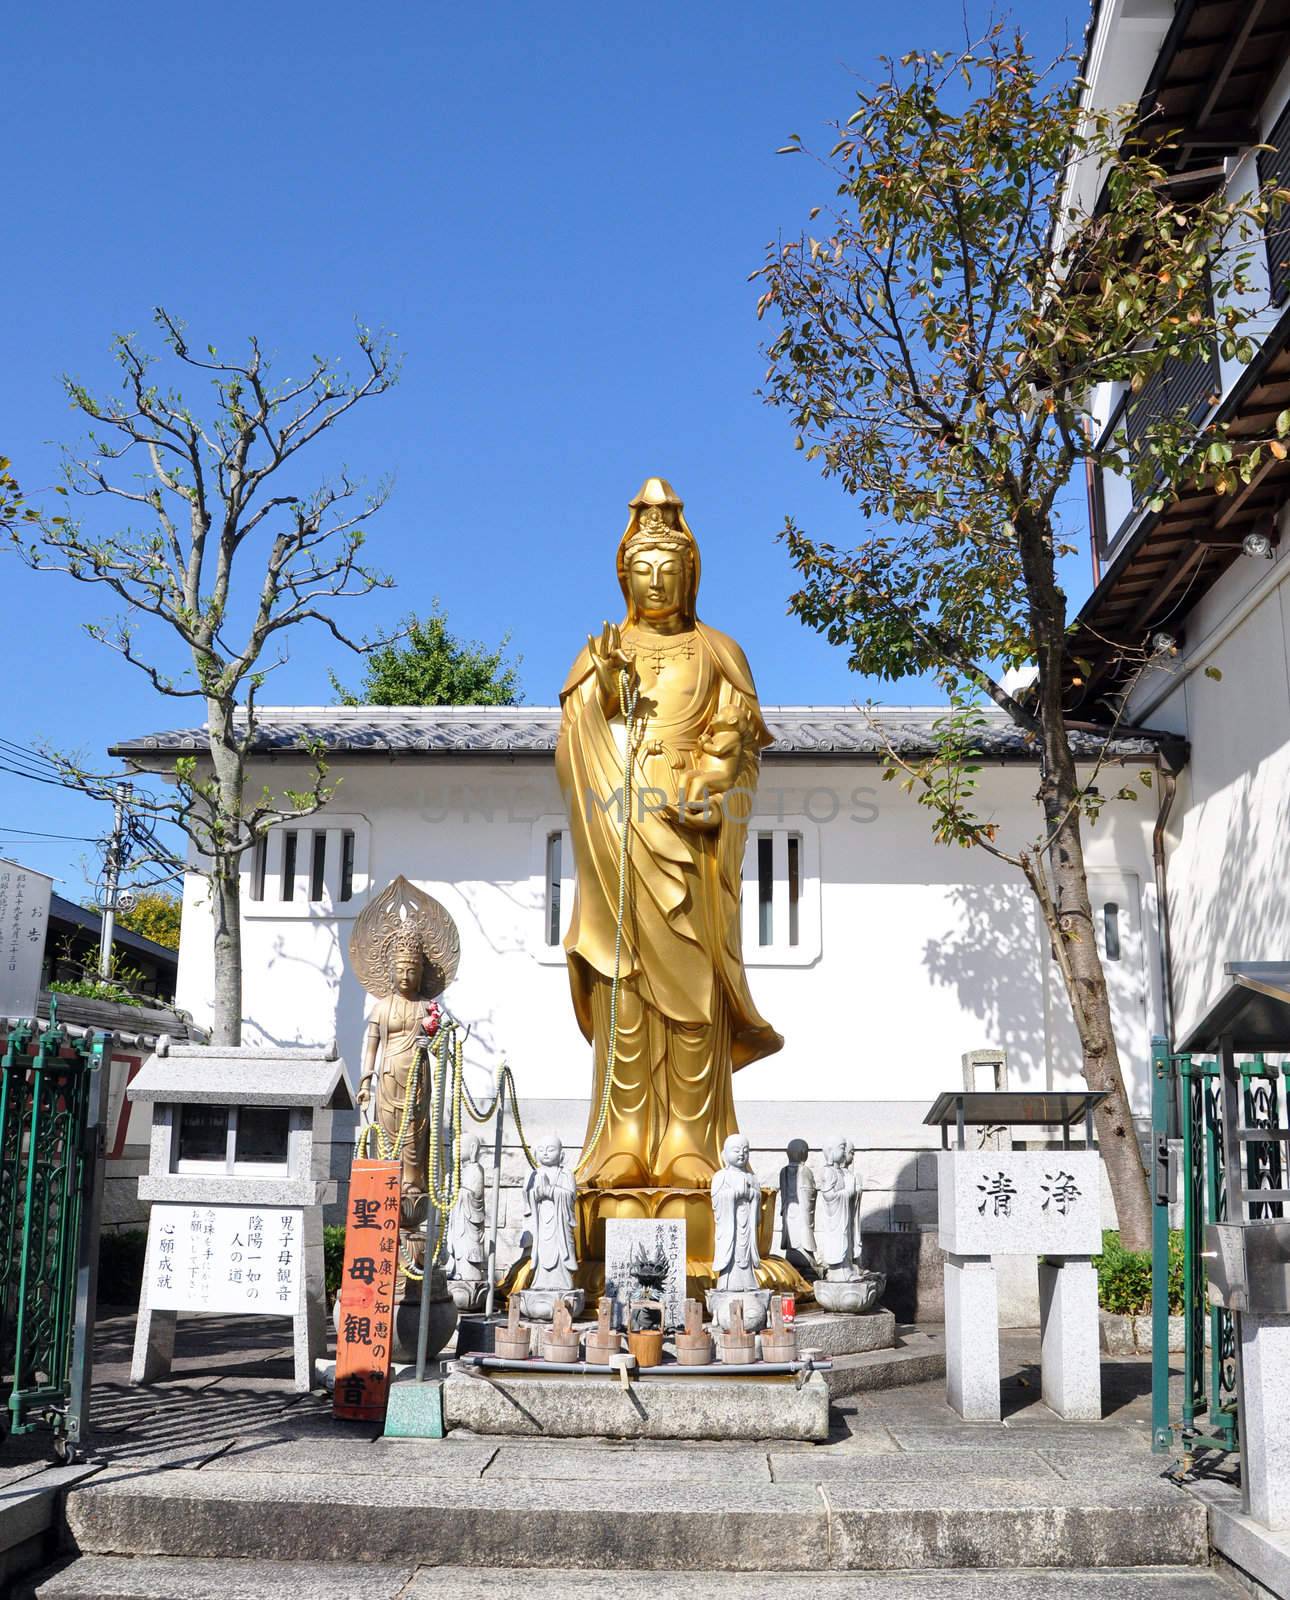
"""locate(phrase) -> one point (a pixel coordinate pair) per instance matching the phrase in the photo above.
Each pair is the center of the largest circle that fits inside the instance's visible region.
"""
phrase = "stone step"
(161, 1578)
(918, 1357)
(656, 1520)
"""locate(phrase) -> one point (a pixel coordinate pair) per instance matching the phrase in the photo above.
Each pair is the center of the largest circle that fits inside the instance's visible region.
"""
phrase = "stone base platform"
(589, 1406)
(838, 1333)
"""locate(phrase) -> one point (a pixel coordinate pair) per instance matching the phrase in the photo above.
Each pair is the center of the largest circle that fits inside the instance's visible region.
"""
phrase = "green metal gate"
(1187, 1105)
(53, 1092)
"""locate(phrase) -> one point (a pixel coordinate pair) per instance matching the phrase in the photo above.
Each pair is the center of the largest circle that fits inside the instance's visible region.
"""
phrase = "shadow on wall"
(1227, 888)
(991, 961)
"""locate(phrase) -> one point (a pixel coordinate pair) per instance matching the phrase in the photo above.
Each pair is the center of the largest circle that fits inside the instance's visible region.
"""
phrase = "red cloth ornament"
(433, 1017)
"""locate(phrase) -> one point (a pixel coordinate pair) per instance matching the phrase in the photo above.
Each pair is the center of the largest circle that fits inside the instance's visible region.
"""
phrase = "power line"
(27, 751)
(37, 833)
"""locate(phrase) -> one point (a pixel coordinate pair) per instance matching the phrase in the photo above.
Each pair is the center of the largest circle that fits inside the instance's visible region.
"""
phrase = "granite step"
(656, 1520)
(917, 1357)
(161, 1578)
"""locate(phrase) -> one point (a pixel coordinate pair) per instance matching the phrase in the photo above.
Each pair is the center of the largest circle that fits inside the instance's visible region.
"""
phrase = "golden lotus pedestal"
(691, 1206)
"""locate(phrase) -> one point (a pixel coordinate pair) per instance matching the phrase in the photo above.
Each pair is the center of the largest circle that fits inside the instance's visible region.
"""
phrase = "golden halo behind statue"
(404, 917)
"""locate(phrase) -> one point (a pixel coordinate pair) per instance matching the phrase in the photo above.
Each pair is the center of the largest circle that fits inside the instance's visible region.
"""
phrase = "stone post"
(1070, 1358)
(1044, 1203)
(972, 1338)
(1265, 1417)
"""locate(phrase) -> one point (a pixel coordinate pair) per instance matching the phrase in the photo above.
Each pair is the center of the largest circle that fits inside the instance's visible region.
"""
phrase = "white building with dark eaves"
(880, 956)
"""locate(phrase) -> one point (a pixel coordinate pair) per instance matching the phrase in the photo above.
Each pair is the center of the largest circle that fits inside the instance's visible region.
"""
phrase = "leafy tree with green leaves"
(939, 337)
(154, 915)
(14, 508)
(426, 665)
(203, 528)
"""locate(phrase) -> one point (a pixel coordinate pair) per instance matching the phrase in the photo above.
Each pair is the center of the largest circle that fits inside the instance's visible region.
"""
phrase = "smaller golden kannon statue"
(404, 951)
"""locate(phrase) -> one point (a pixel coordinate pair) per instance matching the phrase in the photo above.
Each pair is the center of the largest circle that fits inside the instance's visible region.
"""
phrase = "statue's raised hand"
(609, 659)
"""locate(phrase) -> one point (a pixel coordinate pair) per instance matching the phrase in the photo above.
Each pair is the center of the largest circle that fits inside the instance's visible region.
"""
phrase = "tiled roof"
(819, 732)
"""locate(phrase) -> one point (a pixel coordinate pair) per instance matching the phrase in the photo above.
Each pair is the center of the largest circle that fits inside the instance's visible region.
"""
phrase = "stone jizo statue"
(549, 1199)
(846, 1286)
(835, 1212)
(736, 1207)
(465, 1243)
(797, 1209)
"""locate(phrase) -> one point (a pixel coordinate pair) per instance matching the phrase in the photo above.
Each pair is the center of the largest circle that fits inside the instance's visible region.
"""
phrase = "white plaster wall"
(926, 951)
(1228, 842)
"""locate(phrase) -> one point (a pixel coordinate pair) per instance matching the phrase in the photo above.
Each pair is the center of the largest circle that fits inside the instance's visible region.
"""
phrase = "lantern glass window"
(261, 1137)
(203, 1135)
(233, 1141)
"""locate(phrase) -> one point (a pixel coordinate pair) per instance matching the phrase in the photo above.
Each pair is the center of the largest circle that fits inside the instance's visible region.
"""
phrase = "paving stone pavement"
(224, 1460)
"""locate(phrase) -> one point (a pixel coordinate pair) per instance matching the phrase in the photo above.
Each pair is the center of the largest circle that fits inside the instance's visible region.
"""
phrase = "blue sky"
(554, 207)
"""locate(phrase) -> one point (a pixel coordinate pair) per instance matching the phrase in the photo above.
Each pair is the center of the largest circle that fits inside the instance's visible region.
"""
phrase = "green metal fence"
(1187, 1110)
(52, 1100)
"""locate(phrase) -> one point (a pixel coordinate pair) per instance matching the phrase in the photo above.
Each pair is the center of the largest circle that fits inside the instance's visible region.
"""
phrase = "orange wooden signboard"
(365, 1337)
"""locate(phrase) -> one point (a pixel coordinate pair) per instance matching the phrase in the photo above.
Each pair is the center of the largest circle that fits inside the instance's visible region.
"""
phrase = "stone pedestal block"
(1265, 1417)
(1069, 1338)
(972, 1338)
(415, 1410)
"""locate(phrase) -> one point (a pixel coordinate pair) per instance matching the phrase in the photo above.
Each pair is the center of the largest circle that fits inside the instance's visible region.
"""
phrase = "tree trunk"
(1068, 909)
(1086, 989)
(226, 904)
(225, 872)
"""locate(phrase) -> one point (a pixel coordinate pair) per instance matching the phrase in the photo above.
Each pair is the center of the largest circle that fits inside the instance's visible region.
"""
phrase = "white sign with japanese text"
(1019, 1202)
(24, 919)
(630, 1238)
(226, 1258)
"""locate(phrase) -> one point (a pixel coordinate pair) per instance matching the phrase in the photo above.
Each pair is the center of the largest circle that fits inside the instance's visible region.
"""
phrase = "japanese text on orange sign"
(366, 1334)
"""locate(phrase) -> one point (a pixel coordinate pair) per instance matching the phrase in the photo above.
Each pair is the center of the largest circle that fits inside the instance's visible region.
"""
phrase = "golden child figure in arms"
(685, 1017)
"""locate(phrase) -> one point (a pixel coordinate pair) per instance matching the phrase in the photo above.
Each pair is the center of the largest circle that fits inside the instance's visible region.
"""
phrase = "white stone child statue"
(736, 1207)
(549, 1201)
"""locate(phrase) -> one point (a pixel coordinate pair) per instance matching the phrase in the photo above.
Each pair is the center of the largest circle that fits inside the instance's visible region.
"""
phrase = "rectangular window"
(1111, 930)
(318, 865)
(289, 842)
(233, 1139)
(779, 894)
(794, 884)
(554, 867)
(261, 1138)
(259, 865)
(347, 864)
(307, 872)
(203, 1134)
(765, 888)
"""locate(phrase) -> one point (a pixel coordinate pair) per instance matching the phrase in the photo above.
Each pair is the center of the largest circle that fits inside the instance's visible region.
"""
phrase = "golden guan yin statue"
(684, 1019)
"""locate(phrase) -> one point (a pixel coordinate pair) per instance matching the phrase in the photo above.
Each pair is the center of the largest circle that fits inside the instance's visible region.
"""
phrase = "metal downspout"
(1168, 790)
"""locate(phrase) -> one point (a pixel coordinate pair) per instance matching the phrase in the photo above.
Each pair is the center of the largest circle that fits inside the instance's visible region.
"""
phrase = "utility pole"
(111, 876)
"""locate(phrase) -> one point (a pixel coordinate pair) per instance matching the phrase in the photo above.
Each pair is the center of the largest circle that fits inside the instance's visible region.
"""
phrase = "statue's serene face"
(836, 1153)
(656, 580)
(550, 1152)
(736, 1151)
(407, 973)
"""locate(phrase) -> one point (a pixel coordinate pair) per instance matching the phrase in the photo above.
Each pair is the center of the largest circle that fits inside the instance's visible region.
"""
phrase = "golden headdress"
(658, 520)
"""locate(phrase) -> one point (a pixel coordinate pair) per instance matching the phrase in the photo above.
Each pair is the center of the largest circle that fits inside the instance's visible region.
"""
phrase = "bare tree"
(214, 545)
